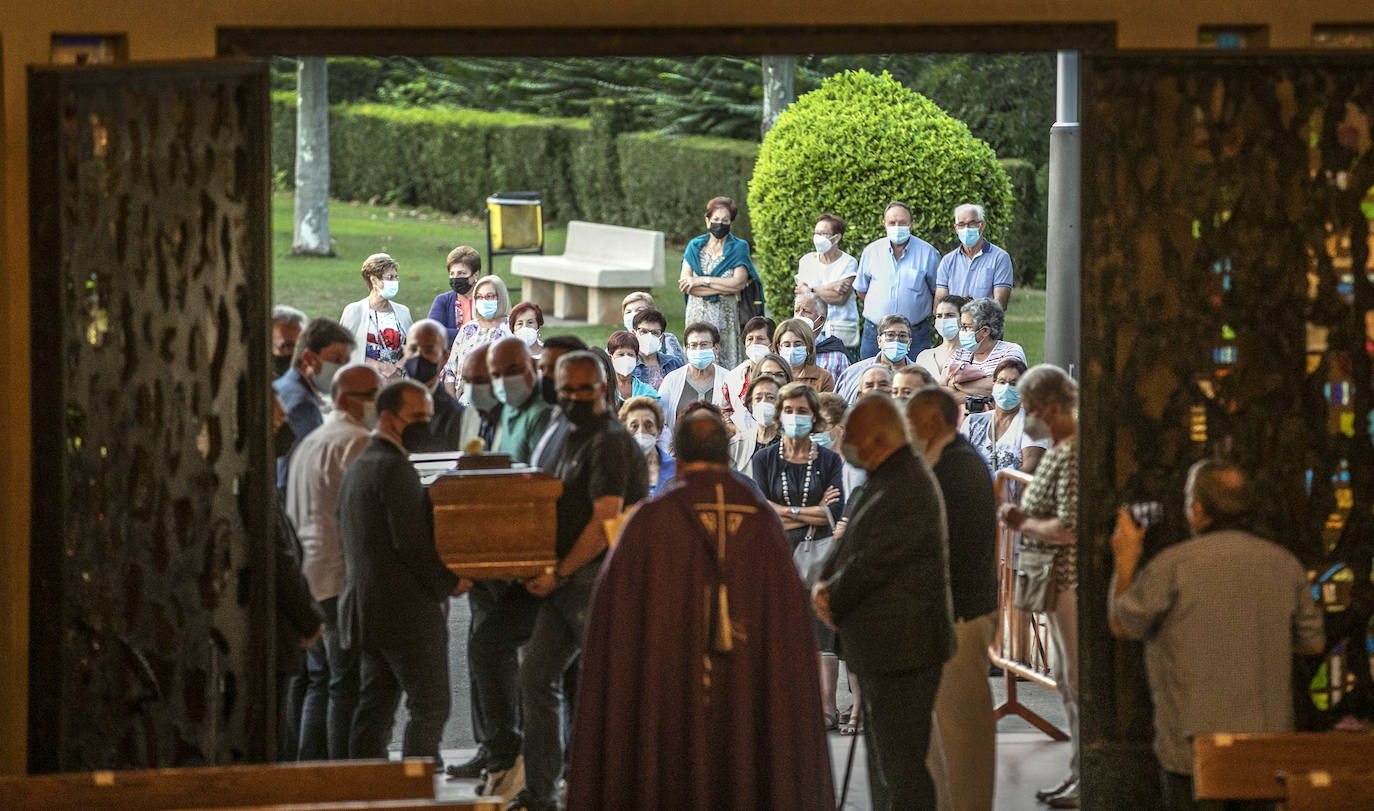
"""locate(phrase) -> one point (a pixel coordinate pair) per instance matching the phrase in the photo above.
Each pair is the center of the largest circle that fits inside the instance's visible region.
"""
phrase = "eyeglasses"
(390, 277)
(589, 389)
(895, 336)
(969, 224)
(969, 328)
(488, 297)
(657, 333)
(823, 235)
(701, 345)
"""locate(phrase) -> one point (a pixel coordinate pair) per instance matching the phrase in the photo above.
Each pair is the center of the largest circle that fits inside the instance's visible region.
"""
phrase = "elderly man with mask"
(963, 747)
(977, 268)
(481, 418)
(897, 277)
(895, 345)
(524, 413)
(830, 351)
(885, 588)
(317, 471)
(877, 377)
(425, 354)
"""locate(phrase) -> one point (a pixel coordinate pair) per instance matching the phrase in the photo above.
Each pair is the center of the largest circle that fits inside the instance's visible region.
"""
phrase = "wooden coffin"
(496, 523)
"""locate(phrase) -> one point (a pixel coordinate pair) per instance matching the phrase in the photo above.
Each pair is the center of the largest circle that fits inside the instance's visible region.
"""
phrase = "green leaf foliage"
(849, 147)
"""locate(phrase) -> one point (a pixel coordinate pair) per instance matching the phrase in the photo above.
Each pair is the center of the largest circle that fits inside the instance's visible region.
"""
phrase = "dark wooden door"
(1227, 310)
(151, 591)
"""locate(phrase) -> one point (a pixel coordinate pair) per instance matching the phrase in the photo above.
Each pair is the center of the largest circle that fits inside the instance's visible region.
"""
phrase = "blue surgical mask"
(487, 308)
(796, 356)
(895, 350)
(968, 341)
(701, 358)
(796, 426)
(899, 234)
(823, 439)
(1006, 396)
(969, 236)
(389, 288)
(947, 327)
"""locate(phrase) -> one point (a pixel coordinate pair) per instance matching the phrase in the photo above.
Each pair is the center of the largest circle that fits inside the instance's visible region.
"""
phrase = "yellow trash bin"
(515, 224)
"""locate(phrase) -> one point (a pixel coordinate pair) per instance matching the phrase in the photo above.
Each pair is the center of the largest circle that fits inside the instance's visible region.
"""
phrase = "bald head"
(932, 414)
(1216, 492)
(508, 356)
(353, 386)
(475, 366)
(427, 341)
(874, 428)
(701, 437)
(426, 329)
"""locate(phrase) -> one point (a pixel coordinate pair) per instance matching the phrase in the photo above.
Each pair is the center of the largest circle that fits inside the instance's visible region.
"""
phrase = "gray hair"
(821, 306)
(282, 314)
(986, 312)
(587, 358)
(974, 207)
(1046, 383)
(1221, 488)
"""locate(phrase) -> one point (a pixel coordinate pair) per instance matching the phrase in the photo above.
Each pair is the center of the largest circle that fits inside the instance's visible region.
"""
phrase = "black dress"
(826, 471)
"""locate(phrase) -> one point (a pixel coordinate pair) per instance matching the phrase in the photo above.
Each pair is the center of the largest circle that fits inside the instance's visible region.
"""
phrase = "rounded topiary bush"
(848, 148)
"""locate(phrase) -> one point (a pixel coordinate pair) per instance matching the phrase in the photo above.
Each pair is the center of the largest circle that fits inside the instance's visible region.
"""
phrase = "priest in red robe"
(699, 686)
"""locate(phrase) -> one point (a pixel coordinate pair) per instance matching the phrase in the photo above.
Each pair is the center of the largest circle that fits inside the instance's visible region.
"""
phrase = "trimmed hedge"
(452, 159)
(851, 146)
(1026, 239)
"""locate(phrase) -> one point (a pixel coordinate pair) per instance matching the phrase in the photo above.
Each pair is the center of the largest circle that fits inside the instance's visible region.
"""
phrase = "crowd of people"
(854, 450)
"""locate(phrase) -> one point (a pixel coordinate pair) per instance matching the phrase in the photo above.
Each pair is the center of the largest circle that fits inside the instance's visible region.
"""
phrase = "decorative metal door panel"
(150, 558)
(1227, 310)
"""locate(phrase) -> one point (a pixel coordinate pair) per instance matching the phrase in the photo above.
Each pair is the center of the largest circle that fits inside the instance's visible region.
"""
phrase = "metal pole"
(1063, 260)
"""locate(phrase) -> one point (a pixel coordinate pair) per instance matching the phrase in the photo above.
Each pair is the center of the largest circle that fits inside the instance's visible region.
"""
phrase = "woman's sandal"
(830, 723)
(848, 726)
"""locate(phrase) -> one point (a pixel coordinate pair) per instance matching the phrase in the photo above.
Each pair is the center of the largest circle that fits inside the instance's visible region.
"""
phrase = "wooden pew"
(1247, 766)
(224, 786)
(1323, 791)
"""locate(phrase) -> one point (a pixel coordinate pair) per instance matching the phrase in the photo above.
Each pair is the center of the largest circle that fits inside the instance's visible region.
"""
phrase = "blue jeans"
(332, 696)
(416, 665)
(553, 648)
(920, 338)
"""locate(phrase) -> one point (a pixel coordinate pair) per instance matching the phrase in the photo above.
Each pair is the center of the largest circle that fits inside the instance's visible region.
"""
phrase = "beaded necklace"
(806, 482)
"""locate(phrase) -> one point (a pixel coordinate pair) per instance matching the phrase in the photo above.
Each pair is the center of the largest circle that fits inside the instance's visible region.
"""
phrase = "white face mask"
(822, 243)
(630, 320)
(755, 352)
(624, 364)
(645, 441)
(649, 344)
(529, 335)
(764, 413)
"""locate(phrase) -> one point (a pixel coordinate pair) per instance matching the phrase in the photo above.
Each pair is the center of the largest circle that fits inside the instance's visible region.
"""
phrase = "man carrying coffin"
(699, 684)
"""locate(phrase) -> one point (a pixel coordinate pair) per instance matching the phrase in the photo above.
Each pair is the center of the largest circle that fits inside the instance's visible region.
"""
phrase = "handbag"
(810, 556)
(1034, 590)
(750, 303)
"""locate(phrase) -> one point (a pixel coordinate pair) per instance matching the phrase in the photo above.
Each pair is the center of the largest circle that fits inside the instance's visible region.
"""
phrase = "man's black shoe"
(472, 770)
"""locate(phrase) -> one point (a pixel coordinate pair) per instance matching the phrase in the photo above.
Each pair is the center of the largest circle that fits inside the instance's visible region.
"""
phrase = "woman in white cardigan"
(379, 325)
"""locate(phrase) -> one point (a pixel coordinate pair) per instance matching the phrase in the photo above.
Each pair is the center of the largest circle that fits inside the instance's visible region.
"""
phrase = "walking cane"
(848, 770)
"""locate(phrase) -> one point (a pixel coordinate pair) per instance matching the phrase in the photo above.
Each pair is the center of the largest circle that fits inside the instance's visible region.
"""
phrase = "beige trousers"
(963, 737)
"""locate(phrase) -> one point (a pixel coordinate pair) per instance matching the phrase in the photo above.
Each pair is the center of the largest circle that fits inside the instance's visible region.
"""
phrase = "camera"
(977, 404)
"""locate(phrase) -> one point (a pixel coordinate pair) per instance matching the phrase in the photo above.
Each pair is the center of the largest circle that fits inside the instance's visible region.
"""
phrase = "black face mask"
(548, 390)
(461, 284)
(417, 437)
(281, 364)
(579, 412)
(283, 439)
(421, 369)
(719, 229)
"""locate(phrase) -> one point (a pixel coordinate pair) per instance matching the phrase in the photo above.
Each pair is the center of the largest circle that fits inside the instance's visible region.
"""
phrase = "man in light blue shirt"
(897, 277)
(977, 268)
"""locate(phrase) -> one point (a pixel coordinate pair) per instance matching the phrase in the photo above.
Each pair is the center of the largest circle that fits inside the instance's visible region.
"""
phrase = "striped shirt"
(999, 353)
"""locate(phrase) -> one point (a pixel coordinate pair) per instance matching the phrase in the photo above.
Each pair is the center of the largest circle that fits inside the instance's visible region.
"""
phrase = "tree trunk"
(311, 235)
(779, 89)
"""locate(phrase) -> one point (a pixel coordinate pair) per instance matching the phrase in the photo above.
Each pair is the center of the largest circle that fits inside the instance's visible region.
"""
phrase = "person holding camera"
(999, 432)
(969, 373)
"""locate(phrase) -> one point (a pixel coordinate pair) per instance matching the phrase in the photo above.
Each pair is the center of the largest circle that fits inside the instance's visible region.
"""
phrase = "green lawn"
(419, 240)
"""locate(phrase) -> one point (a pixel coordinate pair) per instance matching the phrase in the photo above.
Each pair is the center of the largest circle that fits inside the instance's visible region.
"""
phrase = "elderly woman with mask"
(623, 347)
(999, 433)
(491, 307)
(981, 349)
(643, 419)
(715, 268)
(639, 302)
(379, 325)
(795, 342)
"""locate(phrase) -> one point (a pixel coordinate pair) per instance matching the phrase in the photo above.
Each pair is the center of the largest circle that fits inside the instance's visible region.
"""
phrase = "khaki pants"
(963, 739)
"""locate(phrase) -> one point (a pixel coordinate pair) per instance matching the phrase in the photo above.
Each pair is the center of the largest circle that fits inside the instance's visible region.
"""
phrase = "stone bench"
(600, 265)
(1251, 766)
(326, 784)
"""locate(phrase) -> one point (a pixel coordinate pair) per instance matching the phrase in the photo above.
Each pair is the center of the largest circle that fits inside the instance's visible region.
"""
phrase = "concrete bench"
(335, 784)
(1250, 766)
(600, 265)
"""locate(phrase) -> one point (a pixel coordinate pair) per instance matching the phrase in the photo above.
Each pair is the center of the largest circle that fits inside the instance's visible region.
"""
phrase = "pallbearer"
(699, 685)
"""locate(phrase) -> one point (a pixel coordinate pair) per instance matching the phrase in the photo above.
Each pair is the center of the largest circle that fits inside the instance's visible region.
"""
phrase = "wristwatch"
(796, 510)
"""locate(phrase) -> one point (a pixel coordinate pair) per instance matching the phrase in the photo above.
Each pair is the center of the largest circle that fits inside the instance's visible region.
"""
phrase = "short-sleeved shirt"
(522, 427)
(989, 269)
(904, 286)
(813, 272)
(1053, 493)
(1220, 615)
(999, 452)
(596, 460)
(999, 353)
